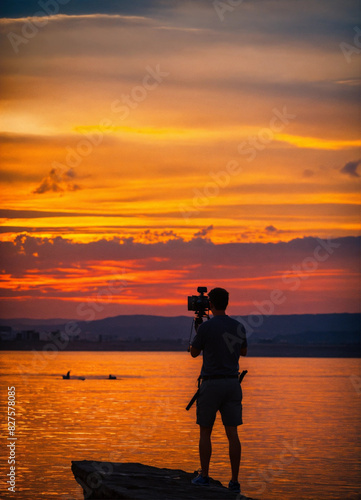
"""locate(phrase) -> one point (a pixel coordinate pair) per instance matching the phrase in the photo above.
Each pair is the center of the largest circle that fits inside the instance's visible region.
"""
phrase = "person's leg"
(205, 448)
(234, 450)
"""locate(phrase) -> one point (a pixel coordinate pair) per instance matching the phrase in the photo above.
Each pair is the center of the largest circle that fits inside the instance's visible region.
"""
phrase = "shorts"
(224, 395)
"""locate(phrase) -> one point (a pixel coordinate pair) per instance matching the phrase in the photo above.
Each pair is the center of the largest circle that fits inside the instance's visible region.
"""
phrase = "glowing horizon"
(170, 125)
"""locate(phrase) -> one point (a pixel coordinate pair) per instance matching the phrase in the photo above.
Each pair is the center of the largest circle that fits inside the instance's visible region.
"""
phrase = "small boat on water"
(112, 377)
(67, 376)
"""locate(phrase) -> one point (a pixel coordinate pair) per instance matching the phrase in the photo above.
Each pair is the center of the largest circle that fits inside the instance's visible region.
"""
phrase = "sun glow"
(239, 138)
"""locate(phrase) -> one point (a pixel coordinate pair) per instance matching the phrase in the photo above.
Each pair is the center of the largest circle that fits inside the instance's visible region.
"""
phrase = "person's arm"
(197, 344)
(194, 352)
(241, 331)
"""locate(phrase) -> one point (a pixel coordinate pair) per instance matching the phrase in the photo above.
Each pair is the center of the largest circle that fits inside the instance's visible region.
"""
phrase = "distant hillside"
(330, 338)
(28, 323)
(304, 328)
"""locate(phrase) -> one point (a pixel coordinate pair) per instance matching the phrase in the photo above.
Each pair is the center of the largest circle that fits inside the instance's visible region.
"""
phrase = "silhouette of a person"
(222, 340)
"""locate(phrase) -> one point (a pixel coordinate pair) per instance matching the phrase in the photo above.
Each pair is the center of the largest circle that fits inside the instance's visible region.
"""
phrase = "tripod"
(198, 320)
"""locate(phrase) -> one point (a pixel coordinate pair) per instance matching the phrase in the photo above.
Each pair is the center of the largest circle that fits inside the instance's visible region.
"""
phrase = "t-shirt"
(221, 339)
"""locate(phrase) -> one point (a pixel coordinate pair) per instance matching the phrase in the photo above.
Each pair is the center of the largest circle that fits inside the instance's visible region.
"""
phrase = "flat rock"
(135, 481)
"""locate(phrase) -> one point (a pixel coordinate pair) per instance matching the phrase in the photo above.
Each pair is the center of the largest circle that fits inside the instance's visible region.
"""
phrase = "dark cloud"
(41, 270)
(248, 258)
(351, 168)
(41, 230)
(271, 229)
(24, 8)
(203, 232)
(38, 214)
(12, 176)
(307, 20)
(34, 214)
(58, 181)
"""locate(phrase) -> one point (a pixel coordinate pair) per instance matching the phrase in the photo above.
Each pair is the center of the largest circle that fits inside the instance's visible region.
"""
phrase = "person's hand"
(197, 322)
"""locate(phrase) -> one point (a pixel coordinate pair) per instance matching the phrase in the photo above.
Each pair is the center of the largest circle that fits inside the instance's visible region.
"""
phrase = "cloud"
(52, 276)
(249, 258)
(38, 214)
(203, 232)
(255, 61)
(269, 70)
(271, 229)
(307, 20)
(25, 8)
(351, 168)
(58, 272)
(58, 181)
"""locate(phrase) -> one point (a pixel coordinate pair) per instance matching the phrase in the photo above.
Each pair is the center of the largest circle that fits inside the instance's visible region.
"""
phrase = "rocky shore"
(135, 481)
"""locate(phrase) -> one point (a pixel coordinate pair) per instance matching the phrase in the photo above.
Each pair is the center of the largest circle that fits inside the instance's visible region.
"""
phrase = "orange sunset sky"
(151, 147)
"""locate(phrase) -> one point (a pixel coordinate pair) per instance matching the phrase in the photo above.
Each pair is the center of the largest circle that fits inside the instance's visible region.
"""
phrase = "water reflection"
(307, 407)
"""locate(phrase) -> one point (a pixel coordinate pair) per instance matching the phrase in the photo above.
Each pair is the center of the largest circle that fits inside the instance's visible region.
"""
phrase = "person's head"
(218, 297)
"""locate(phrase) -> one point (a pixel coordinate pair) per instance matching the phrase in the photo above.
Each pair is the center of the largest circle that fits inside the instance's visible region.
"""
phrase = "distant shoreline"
(254, 350)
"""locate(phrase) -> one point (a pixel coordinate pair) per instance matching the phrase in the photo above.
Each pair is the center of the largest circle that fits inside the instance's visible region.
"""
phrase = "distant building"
(62, 336)
(28, 335)
(6, 333)
(110, 338)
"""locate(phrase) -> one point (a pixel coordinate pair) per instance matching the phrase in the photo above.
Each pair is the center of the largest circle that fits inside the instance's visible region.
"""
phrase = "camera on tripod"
(199, 303)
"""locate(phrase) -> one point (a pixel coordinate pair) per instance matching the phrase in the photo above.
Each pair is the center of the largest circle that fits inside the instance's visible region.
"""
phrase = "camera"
(199, 303)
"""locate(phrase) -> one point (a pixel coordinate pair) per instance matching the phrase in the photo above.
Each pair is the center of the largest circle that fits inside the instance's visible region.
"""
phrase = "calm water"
(300, 439)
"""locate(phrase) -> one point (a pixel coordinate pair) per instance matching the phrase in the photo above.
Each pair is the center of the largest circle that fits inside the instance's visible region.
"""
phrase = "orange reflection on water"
(301, 432)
